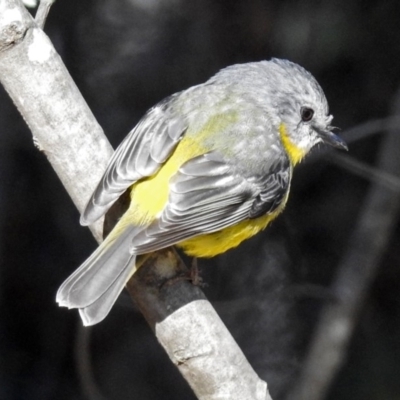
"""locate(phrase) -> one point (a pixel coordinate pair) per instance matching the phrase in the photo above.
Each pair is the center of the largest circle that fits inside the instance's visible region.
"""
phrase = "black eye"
(306, 114)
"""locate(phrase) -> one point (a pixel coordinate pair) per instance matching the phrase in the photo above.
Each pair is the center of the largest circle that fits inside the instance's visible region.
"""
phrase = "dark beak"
(330, 138)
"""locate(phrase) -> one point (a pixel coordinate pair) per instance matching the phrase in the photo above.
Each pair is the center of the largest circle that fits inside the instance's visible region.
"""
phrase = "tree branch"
(365, 171)
(191, 332)
(64, 128)
(42, 12)
(62, 124)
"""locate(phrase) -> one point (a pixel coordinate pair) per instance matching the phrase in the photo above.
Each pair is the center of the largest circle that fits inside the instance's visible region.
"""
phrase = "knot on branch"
(13, 26)
(12, 34)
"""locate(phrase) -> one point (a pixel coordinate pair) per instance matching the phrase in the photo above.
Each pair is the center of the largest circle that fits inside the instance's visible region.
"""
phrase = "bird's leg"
(194, 274)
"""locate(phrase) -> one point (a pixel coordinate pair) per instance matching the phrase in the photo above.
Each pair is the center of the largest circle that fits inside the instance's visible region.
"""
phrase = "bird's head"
(302, 107)
(290, 95)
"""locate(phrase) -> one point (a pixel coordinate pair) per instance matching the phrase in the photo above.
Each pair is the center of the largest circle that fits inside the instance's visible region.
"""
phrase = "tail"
(95, 286)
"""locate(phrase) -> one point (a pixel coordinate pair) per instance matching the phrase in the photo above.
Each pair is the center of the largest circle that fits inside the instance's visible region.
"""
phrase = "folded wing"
(207, 195)
(141, 154)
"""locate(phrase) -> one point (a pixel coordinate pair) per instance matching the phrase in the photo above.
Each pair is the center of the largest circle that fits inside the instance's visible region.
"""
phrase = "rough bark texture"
(191, 332)
(62, 125)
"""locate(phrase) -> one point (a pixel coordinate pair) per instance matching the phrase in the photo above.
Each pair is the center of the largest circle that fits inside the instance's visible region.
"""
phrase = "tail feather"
(95, 286)
(97, 311)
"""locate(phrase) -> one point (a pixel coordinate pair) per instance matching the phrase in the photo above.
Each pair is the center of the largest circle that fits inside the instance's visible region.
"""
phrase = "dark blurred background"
(126, 55)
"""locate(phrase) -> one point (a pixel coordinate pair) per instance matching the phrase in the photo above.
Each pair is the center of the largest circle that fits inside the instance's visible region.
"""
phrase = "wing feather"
(207, 195)
(140, 154)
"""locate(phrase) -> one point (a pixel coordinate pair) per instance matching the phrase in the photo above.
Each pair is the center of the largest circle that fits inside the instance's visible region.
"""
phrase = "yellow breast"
(211, 244)
(295, 153)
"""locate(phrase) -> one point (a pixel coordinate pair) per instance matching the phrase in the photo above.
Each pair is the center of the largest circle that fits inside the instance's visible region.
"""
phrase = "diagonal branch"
(64, 128)
(42, 12)
(365, 171)
(62, 124)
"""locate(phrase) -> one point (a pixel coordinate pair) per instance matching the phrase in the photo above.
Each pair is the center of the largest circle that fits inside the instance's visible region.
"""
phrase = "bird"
(205, 169)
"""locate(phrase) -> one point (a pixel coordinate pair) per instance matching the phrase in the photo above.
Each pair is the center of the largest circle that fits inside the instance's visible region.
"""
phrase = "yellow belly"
(211, 244)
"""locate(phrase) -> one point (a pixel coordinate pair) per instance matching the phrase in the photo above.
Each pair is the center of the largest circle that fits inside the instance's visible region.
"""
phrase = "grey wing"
(274, 185)
(207, 195)
(140, 154)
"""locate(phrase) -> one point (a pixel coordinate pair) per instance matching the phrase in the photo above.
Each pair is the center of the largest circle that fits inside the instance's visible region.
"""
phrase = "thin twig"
(365, 171)
(43, 12)
(356, 133)
(359, 168)
(371, 127)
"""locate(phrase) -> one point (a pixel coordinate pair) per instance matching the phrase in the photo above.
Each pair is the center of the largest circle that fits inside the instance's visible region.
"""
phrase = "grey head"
(290, 95)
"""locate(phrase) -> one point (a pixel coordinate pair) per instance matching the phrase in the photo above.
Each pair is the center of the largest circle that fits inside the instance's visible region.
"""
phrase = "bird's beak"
(330, 138)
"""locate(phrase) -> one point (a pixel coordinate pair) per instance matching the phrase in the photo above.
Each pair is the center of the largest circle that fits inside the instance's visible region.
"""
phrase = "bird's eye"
(306, 114)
